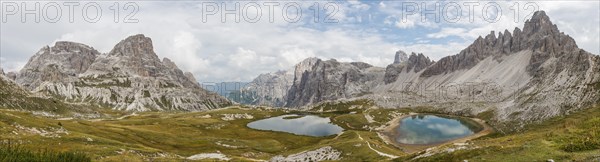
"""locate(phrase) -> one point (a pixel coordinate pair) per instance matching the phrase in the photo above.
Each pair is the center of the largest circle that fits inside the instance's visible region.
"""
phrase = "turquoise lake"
(432, 129)
(309, 125)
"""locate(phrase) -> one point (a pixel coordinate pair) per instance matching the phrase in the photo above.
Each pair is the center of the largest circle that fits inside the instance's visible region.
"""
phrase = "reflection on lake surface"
(431, 129)
(301, 125)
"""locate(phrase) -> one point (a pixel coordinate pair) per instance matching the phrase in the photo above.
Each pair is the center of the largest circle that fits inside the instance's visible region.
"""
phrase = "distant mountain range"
(527, 75)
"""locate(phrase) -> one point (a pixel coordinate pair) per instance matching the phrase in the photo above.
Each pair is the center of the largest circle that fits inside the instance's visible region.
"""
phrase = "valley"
(173, 136)
(529, 95)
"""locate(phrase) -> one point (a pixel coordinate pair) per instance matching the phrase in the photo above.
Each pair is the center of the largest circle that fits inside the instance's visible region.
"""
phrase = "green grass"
(569, 138)
(181, 134)
(16, 153)
(351, 121)
(343, 107)
(185, 134)
(150, 133)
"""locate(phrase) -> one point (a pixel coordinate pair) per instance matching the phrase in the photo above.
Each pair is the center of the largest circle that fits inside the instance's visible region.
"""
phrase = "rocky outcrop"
(418, 62)
(13, 96)
(316, 80)
(129, 77)
(326, 153)
(392, 71)
(413, 64)
(400, 57)
(267, 89)
(62, 62)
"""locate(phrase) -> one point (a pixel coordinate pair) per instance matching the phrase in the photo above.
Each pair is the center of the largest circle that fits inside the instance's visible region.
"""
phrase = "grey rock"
(418, 62)
(539, 34)
(400, 57)
(130, 77)
(415, 63)
(527, 75)
(316, 81)
(11, 75)
(268, 89)
(62, 62)
(392, 71)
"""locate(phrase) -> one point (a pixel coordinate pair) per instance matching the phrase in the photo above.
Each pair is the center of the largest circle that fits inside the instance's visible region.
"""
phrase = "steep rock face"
(268, 89)
(129, 77)
(13, 96)
(418, 62)
(528, 75)
(414, 63)
(316, 80)
(400, 57)
(392, 71)
(62, 62)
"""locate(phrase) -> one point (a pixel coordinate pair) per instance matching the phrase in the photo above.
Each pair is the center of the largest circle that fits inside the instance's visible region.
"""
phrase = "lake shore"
(389, 132)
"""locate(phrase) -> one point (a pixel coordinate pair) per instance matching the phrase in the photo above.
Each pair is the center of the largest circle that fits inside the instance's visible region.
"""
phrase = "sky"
(205, 38)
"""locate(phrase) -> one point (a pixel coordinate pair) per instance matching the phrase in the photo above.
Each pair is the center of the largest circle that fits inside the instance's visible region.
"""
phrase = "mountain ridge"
(522, 76)
(129, 77)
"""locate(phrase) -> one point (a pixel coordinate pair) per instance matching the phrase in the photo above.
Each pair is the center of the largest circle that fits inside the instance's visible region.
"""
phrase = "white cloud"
(11, 66)
(216, 51)
(382, 5)
(406, 23)
(445, 32)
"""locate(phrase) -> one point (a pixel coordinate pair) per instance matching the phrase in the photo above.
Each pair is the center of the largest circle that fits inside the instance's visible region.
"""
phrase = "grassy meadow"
(174, 136)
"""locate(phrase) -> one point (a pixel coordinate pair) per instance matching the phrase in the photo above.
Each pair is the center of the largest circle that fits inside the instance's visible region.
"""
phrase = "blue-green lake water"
(431, 129)
(309, 125)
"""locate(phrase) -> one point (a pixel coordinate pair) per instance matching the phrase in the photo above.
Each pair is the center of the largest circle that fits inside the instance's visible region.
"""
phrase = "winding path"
(378, 152)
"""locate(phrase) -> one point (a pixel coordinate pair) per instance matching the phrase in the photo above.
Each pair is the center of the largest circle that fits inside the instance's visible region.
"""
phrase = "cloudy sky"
(273, 35)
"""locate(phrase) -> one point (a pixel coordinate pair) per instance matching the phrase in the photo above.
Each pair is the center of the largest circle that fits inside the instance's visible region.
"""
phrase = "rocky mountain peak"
(538, 34)
(136, 45)
(418, 62)
(304, 66)
(400, 57)
(490, 36)
(129, 77)
(67, 45)
(268, 89)
(191, 77)
(316, 80)
(63, 60)
(169, 64)
(413, 63)
(135, 56)
(539, 22)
